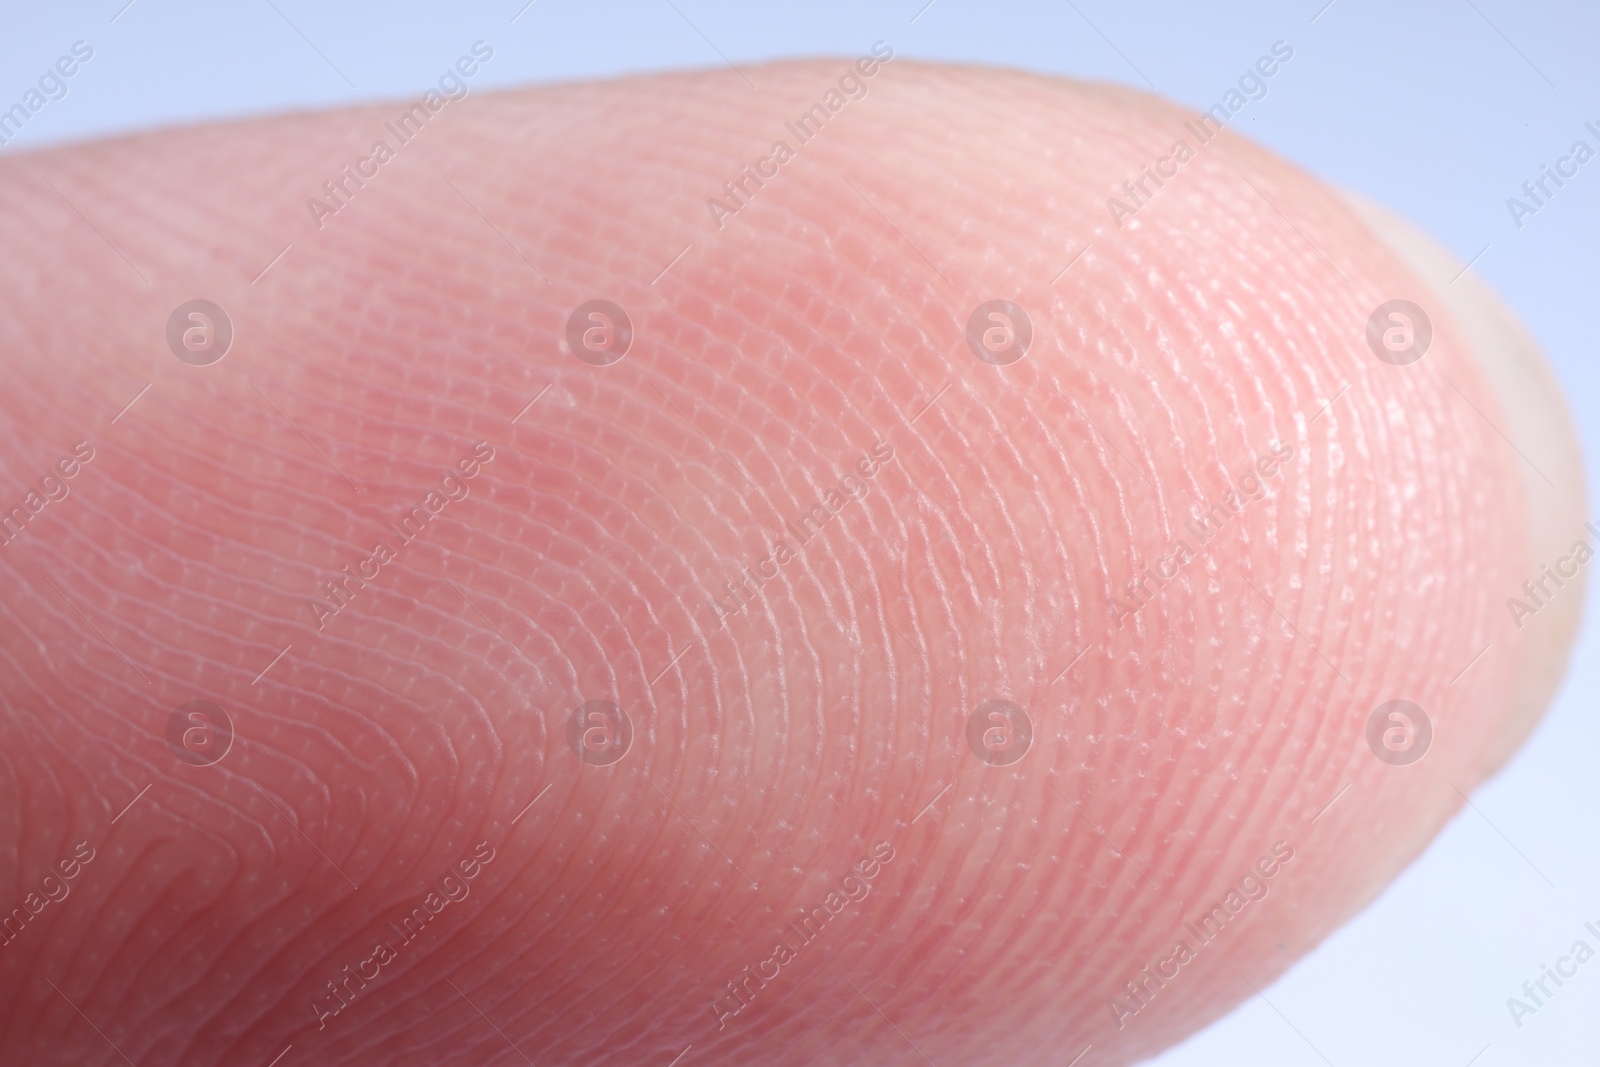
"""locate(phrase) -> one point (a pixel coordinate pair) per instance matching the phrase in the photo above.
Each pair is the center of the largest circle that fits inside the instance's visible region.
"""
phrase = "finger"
(797, 541)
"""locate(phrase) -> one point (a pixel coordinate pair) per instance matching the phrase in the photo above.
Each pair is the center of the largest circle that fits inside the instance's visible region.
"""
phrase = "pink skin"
(776, 747)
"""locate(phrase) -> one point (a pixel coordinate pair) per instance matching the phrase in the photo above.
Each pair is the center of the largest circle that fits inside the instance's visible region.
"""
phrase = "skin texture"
(815, 721)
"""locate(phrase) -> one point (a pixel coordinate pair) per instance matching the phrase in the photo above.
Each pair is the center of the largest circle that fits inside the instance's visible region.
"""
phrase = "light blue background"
(1440, 110)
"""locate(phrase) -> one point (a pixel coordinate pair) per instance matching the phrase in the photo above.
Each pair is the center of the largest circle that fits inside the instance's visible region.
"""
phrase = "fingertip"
(1537, 423)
